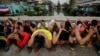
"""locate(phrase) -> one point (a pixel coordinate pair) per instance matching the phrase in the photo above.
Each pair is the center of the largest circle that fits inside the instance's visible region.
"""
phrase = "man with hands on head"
(40, 38)
(18, 38)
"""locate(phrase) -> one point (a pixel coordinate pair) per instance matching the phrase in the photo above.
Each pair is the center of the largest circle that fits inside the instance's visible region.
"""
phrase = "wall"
(49, 18)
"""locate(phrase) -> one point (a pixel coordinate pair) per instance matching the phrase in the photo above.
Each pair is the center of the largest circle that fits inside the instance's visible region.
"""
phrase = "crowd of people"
(34, 36)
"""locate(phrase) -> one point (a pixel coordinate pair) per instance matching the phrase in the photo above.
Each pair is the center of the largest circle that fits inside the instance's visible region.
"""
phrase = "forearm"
(81, 40)
(10, 36)
(55, 38)
(48, 43)
(98, 36)
(31, 41)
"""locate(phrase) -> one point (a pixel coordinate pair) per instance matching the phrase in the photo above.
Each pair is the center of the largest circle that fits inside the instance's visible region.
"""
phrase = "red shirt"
(22, 42)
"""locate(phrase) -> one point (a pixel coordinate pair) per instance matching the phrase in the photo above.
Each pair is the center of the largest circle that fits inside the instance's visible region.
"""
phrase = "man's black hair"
(43, 20)
(32, 25)
(79, 22)
(67, 25)
(55, 28)
(27, 29)
(94, 22)
(40, 40)
(19, 23)
(64, 35)
(10, 19)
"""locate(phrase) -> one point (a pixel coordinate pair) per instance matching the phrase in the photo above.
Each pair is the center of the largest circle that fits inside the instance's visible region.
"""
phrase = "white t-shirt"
(42, 27)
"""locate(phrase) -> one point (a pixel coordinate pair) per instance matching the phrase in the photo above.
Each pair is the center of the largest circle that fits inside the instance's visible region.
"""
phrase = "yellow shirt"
(2, 38)
(46, 32)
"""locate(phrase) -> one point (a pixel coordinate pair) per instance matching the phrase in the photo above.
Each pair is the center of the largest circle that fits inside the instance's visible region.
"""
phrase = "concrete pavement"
(63, 50)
